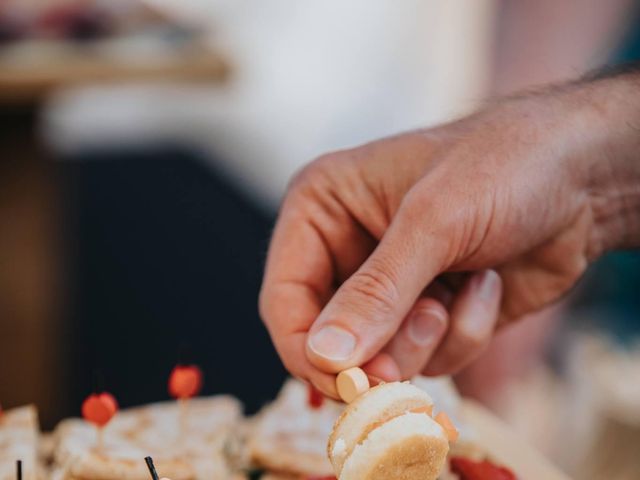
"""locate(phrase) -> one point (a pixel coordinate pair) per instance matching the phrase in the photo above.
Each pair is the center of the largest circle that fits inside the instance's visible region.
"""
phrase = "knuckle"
(377, 288)
(314, 170)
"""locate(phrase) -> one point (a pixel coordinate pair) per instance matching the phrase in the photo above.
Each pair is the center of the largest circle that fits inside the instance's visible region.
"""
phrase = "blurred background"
(145, 145)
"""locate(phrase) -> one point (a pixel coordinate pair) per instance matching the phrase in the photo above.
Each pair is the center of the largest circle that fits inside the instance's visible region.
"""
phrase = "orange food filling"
(428, 410)
(449, 429)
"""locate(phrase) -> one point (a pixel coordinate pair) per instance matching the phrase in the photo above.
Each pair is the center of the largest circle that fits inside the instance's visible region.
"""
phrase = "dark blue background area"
(164, 252)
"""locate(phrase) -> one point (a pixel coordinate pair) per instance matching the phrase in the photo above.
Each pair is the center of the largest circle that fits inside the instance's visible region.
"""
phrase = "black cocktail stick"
(151, 467)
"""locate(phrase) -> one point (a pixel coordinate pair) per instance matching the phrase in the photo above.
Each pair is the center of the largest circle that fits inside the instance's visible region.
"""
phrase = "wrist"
(589, 136)
(612, 176)
(592, 131)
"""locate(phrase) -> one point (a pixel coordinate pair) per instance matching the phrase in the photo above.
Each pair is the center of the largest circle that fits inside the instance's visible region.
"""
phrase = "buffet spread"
(300, 435)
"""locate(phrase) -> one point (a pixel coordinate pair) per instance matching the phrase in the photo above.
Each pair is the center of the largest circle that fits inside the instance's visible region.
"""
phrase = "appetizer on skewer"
(389, 432)
(19, 436)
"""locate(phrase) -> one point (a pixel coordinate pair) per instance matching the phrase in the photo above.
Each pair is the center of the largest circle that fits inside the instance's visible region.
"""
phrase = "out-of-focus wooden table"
(30, 80)
(33, 267)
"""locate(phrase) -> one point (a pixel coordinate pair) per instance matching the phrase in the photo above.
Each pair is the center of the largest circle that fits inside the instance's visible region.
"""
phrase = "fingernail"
(486, 284)
(333, 343)
(485, 287)
(425, 326)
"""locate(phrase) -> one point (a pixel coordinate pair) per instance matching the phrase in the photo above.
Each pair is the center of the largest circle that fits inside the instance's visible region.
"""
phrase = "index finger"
(297, 283)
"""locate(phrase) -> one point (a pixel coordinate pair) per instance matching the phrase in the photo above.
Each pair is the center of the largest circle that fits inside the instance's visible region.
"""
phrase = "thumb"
(367, 310)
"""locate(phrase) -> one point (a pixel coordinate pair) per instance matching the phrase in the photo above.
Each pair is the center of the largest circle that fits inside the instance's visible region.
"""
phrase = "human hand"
(404, 255)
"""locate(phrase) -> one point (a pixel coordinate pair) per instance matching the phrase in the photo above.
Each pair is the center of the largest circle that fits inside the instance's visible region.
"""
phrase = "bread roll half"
(379, 436)
(409, 447)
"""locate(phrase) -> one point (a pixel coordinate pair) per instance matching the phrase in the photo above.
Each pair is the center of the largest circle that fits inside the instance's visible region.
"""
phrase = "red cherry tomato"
(315, 397)
(185, 381)
(469, 469)
(110, 401)
(99, 408)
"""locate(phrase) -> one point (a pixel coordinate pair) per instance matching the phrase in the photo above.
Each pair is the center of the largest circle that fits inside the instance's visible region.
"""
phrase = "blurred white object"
(612, 372)
(310, 77)
(589, 421)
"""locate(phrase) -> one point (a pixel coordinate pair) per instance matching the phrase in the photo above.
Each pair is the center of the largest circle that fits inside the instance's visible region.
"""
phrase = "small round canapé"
(409, 447)
(372, 410)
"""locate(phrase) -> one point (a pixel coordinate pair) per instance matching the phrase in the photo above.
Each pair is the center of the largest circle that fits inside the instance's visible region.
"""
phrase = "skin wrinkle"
(378, 227)
(333, 267)
(340, 275)
(336, 213)
(489, 223)
(468, 235)
(551, 270)
(303, 220)
(379, 223)
(458, 241)
(380, 287)
(605, 202)
(413, 213)
(328, 191)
